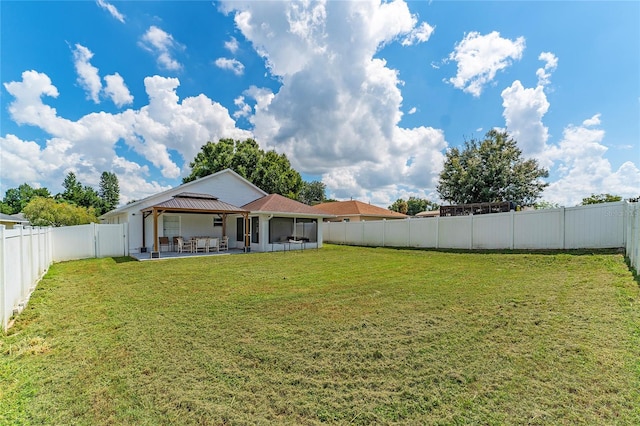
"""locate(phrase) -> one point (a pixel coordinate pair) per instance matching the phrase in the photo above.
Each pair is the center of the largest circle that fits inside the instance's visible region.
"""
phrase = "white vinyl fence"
(633, 235)
(26, 254)
(593, 226)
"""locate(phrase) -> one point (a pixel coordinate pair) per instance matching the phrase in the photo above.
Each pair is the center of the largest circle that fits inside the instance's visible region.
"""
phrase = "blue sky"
(366, 96)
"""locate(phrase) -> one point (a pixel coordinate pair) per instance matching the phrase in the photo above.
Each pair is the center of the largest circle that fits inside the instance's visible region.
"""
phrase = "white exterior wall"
(226, 186)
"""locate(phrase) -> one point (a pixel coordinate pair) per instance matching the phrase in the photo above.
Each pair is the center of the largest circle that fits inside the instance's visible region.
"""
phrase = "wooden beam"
(155, 230)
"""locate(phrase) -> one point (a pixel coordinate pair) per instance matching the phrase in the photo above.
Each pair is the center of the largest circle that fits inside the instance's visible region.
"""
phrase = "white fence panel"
(373, 232)
(455, 232)
(24, 259)
(74, 242)
(396, 233)
(539, 229)
(353, 234)
(493, 231)
(424, 232)
(595, 226)
(111, 240)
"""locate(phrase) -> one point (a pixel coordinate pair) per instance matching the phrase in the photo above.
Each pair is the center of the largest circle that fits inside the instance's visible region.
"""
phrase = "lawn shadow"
(124, 259)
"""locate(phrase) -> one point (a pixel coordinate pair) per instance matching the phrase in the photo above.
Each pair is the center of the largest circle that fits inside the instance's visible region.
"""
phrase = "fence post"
(513, 229)
(3, 279)
(471, 236)
(563, 231)
(437, 232)
(384, 230)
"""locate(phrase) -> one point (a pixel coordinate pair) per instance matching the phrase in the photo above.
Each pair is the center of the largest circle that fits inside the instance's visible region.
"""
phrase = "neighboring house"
(356, 211)
(10, 220)
(429, 213)
(209, 207)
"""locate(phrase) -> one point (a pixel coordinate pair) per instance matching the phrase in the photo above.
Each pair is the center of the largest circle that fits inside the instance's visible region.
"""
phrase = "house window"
(217, 221)
(240, 229)
(255, 230)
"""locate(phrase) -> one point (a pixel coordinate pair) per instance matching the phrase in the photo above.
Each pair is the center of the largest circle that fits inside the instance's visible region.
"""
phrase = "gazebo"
(191, 202)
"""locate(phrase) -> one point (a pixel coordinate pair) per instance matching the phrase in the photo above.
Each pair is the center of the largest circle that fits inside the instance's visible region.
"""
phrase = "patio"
(178, 255)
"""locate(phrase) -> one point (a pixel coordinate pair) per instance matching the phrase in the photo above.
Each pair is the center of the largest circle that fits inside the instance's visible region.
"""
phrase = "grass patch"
(341, 335)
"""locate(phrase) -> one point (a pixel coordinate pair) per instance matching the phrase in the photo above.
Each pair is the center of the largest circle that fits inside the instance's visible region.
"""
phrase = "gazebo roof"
(191, 202)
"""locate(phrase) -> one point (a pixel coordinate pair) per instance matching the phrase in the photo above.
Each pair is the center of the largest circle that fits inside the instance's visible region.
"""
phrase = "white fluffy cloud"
(480, 57)
(111, 9)
(117, 91)
(577, 162)
(163, 46)
(230, 64)
(338, 107)
(583, 170)
(88, 76)
(88, 146)
(232, 45)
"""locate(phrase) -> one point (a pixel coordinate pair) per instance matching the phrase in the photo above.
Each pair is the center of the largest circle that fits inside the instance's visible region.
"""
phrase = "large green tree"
(268, 170)
(48, 212)
(312, 193)
(109, 191)
(16, 199)
(491, 170)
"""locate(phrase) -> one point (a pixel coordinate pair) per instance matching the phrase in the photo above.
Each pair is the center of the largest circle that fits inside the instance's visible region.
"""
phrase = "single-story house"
(429, 213)
(10, 220)
(221, 204)
(356, 211)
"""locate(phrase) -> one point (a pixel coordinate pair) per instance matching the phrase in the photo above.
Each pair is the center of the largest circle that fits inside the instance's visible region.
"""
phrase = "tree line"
(76, 205)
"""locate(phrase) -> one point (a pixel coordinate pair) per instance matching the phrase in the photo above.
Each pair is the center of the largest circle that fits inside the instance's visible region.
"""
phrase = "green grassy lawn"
(342, 335)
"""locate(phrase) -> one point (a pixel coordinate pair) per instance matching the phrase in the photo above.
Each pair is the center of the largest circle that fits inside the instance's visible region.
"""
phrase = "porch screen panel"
(308, 229)
(280, 229)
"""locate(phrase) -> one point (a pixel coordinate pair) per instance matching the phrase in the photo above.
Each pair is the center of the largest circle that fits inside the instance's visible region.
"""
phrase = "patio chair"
(184, 246)
(212, 244)
(224, 243)
(175, 243)
(164, 243)
(201, 244)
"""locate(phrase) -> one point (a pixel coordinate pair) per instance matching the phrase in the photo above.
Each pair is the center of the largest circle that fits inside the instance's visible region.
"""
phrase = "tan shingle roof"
(356, 208)
(276, 203)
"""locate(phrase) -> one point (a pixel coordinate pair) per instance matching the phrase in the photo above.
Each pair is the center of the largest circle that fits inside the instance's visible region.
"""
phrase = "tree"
(414, 205)
(399, 206)
(72, 189)
(48, 212)
(542, 205)
(600, 198)
(16, 199)
(491, 170)
(109, 191)
(268, 170)
(312, 193)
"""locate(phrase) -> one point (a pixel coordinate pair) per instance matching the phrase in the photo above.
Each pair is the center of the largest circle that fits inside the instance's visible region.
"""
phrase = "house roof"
(357, 208)
(185, 186)
(275, 203)
(195, 202)
(11, 218)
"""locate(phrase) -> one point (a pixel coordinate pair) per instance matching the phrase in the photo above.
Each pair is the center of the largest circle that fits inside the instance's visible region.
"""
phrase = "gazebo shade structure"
(191, 202)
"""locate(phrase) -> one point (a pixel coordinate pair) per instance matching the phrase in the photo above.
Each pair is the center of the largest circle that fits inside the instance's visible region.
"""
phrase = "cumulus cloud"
(117, 91)
(480, 57)
(163, 46)
(420, 34)
(524, 109)
(337, 110)
(231, 45)
(579, 160)
(157, 131)
(230, 64)
(111, 9)
(551, 63)
(88, 77)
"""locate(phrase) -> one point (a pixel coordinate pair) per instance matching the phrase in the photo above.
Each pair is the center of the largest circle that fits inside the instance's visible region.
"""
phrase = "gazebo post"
(247, 226)
(155, 230)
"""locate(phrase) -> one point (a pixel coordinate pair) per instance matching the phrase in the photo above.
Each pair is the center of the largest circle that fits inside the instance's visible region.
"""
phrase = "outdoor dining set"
(204, 244)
